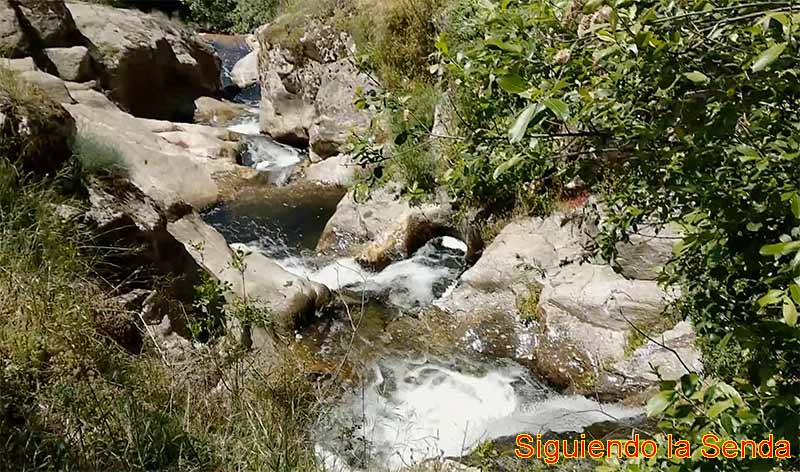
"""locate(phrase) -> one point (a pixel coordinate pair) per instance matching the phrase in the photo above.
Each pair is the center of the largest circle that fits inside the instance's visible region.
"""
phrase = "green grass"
(73, 398)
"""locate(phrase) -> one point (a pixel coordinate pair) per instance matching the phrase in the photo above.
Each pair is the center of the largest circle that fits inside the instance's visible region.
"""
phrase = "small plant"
(96, 157)
(528, 305)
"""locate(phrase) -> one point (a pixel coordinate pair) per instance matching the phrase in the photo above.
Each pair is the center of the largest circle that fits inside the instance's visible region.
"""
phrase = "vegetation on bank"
(83, 384)
(669, 112)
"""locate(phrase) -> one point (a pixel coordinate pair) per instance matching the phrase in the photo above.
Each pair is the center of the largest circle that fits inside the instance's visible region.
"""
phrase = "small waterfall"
(265, 155)
(411, 410)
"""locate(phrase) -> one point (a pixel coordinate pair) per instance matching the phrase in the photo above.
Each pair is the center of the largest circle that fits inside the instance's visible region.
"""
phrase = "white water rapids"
(407, 409)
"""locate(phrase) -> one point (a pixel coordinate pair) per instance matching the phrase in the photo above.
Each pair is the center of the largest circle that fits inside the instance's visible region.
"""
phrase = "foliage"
(236, 16)
(672, 112)
(73, 398)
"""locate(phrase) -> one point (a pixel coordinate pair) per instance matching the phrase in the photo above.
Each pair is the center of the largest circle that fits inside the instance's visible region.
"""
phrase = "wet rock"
(50, 84)
(522, 256)
(245, 71)
(151, 66)
(289, 298)
(73, 64)
(385, 228)
(23, 64)
(583, 313)
(216, 112)
(33, 126)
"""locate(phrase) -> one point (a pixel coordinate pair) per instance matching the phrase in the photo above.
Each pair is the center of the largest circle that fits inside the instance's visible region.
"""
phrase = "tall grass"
(73, 398)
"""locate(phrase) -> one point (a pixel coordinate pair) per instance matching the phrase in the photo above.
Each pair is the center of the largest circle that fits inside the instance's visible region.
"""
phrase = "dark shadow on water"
(283, 221)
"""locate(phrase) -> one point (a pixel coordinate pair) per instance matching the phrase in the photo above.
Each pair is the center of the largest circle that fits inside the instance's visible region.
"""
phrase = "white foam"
(248, 126)
(416, 412)
(453, 243)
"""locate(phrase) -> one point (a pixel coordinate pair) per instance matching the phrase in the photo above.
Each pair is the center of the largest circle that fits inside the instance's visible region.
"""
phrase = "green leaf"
(697, 77)
(512, 83)
(558, 107)
(659, 402)
(753, 226)
(517, 130)
(500, 44)
(592, 5)
(718, 408)
(794, 289)
(767, 57)
(796, 206)
(779, 249)
(505, 166)
(772, 297)
(441, 44)
(789, 312)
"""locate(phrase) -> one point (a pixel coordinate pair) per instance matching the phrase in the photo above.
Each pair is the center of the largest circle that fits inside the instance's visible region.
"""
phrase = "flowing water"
(426, 385)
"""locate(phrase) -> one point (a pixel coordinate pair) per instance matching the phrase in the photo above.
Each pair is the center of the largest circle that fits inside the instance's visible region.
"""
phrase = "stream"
(426, 386)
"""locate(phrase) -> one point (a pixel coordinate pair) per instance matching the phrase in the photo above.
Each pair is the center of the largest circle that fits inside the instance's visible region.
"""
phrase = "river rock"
(245, 71)
(586, 316)
(50, 22)
(26, 25)
(667, 356)
(12, 41)
(582, 312)
(32, 125)
(522, 256)
(307, 93)
(211, 111)
(73, 64)
(152, 67)
(167, 173)
(50, 84)
(289, 298)
(646, 252)
(338, 170)
(23, 64)
(385, 228)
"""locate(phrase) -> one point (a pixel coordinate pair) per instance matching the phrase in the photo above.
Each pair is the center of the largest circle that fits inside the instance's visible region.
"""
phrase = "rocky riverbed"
(249, 152)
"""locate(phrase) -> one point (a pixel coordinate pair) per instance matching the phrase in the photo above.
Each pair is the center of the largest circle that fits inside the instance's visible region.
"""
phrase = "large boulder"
(23, 64)
(28, 26)
(32, 125)
(167, 173)
(587, 319)
(307, 91)
(385, 228)
(245, 71)
(211, 111)
(646, 252)
(73, 63)
(290, 299)
(527, 252)
(54, 87)
(151, 66)
(339, 170)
